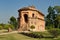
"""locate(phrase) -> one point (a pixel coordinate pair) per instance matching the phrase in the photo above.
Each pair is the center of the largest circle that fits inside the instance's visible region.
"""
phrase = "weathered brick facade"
(30, 16)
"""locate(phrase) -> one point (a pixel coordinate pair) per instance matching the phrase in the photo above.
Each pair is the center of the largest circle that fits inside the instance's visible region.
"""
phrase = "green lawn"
(3, 31)
(20, 37)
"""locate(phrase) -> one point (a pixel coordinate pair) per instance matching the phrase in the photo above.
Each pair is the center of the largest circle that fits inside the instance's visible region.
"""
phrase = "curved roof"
(30, 8)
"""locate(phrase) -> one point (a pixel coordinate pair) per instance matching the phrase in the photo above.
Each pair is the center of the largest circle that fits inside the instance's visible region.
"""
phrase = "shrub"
(55, 32)
(49, 27)
(32, 27)
(8, 25)
(43, 34)
(11, 26)
(1, 27)
(38, 34)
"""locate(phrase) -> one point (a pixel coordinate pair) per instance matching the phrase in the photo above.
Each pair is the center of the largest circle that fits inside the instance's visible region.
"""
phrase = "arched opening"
(26, 18)
(32, 15)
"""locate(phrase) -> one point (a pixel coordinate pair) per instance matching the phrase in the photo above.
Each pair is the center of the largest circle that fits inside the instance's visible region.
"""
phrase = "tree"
(50, 18)
(58, 21)
(57, 10)
(13, 22)
(53, 17)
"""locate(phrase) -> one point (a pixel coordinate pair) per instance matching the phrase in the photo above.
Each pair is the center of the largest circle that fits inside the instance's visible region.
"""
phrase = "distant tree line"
(12, 23)
(53, 17)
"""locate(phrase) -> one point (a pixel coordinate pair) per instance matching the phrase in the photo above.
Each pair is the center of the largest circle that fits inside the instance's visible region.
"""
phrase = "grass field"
(20, 37)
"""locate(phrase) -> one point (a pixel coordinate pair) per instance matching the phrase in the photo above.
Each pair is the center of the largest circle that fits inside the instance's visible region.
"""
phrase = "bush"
(11, 26)
(30, 35)
(54, 32)
(1, 27)
(43, 34)
(38, 34)
(49, 27)
(7, 26)
(32, 27)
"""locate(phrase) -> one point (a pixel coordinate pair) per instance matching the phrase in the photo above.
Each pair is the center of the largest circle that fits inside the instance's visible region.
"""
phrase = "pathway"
(9, 32)
(12, 32)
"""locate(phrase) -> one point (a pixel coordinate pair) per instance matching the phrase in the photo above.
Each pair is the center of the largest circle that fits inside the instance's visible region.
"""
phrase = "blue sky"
(9, 8)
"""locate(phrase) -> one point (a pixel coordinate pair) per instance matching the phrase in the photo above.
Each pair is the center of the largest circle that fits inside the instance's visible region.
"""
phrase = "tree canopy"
(53, 17)
(13, 22)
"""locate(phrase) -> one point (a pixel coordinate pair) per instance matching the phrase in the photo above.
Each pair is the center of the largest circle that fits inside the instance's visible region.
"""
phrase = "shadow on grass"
(35, 35)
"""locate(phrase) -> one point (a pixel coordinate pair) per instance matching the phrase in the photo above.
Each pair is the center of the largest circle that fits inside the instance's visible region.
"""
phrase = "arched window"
(26, 18)
(32, 15)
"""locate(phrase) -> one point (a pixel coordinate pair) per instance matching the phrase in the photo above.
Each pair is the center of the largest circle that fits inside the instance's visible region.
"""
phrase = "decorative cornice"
(37, 18)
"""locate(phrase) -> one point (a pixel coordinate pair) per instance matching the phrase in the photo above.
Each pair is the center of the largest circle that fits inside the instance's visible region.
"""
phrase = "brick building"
(29, 16)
